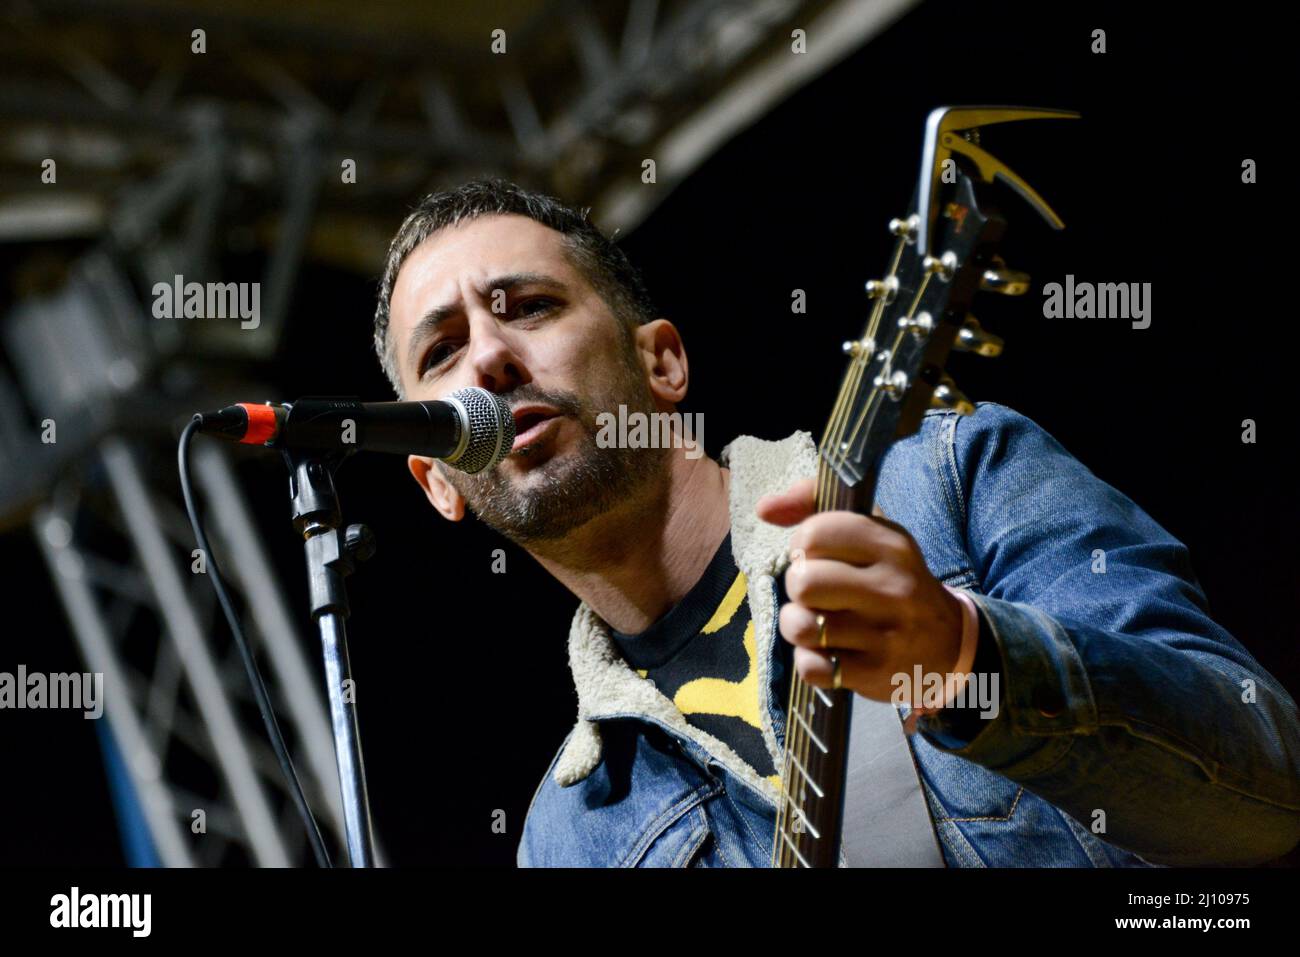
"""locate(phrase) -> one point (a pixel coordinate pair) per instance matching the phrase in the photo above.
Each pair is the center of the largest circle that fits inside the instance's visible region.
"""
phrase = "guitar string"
(825, 500)
(798, 748)
(871, 405)
(892, 352)
(798, 697)
(798, 691)
(835, 454)
(800, 694)
(796, 738)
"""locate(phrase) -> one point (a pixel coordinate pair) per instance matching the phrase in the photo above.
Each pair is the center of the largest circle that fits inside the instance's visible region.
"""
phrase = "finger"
(860, 671)
(826, 585)
(789, 507)
(849, 537)
(844, 629)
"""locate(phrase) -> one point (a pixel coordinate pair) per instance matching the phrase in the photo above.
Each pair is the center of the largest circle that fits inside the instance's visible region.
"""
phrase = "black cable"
(246, 652)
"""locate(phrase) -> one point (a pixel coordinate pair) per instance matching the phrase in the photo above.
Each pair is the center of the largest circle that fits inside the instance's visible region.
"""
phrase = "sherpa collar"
(607, 686)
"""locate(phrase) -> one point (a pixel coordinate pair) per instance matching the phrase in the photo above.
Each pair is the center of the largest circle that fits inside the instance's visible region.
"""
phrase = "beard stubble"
(578, 485)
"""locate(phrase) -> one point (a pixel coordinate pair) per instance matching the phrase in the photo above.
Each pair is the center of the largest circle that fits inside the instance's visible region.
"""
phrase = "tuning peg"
(972, 337)
(920, 325)
(886, 288)
(905, 228)
(1008, 282)
(863, 348)
(948, 396)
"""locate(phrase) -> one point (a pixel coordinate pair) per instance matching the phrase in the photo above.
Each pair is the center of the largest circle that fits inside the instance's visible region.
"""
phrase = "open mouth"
(531, 424)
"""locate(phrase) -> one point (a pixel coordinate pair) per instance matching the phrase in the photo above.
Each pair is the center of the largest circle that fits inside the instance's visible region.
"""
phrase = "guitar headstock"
(946, 253)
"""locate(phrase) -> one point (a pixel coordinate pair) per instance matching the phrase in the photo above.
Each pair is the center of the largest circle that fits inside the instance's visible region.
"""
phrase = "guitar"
(946, 251)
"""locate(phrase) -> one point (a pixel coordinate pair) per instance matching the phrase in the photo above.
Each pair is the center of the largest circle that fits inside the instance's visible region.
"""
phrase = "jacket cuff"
(1043, 695)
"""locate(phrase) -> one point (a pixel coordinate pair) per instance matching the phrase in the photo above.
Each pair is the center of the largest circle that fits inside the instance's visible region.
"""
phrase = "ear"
(440, 493)
(660, 347)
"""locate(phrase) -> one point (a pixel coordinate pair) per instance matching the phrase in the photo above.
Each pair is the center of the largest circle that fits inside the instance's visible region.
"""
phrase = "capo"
(955, 129)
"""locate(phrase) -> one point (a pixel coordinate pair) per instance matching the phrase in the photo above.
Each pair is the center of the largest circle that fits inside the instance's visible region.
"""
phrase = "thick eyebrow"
(429, 322)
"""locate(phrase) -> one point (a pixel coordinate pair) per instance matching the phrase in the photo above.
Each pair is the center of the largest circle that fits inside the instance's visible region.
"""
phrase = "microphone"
(471, 429)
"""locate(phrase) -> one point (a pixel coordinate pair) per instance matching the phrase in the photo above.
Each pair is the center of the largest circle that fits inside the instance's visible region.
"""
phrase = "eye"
(535, 307)
(436, 356)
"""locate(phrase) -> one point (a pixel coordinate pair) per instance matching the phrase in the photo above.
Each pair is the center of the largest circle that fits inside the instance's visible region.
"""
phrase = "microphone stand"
(331, 557)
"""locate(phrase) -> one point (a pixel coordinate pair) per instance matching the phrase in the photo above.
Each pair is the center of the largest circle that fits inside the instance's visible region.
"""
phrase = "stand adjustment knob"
(360, 542)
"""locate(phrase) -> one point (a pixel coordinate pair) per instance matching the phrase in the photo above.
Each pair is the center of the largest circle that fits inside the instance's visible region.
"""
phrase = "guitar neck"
(813, 775)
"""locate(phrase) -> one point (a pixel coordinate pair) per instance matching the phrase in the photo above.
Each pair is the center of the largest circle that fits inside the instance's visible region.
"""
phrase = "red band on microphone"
(261, 423)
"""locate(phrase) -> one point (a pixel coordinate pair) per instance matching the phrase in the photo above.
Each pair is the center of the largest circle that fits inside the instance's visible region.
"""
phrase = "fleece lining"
(608, 687)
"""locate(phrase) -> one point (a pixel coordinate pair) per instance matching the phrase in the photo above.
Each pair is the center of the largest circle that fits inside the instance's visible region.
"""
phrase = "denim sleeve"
(1123, 702)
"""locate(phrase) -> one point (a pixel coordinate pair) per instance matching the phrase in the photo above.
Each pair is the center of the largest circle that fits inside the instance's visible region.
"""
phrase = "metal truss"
(176, 696)
(582, 93)
(102, 502)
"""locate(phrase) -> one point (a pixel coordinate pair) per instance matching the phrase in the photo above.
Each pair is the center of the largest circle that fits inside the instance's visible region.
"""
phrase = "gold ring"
(821, 630)
(835, 672)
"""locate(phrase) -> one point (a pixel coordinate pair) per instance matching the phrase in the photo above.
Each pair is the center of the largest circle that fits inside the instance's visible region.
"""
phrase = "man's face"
(496, 302)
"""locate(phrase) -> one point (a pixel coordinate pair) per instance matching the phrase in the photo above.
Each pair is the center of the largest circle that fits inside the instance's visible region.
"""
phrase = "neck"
(632, 564)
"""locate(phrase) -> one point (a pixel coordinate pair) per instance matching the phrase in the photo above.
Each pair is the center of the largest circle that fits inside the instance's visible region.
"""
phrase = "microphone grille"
(491, 429)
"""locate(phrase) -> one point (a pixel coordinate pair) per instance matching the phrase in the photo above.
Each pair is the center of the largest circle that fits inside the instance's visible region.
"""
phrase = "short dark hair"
(602, 263)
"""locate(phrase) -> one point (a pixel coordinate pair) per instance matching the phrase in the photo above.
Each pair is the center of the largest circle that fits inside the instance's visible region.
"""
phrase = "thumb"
(789, 507)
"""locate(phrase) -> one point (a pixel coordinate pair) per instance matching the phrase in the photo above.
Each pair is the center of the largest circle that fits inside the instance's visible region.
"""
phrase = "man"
(1128, 729)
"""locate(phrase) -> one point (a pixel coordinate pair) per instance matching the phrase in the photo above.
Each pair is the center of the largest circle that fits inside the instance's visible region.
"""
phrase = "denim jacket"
(1133, 730)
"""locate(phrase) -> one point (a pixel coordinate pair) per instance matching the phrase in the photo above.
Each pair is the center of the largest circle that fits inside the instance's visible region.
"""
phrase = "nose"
(493, 360)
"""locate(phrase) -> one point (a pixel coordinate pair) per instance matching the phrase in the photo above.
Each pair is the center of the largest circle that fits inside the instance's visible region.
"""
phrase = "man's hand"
(885, 613)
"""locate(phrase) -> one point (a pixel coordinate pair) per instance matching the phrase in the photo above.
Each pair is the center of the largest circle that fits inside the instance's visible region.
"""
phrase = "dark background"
(463, 686)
